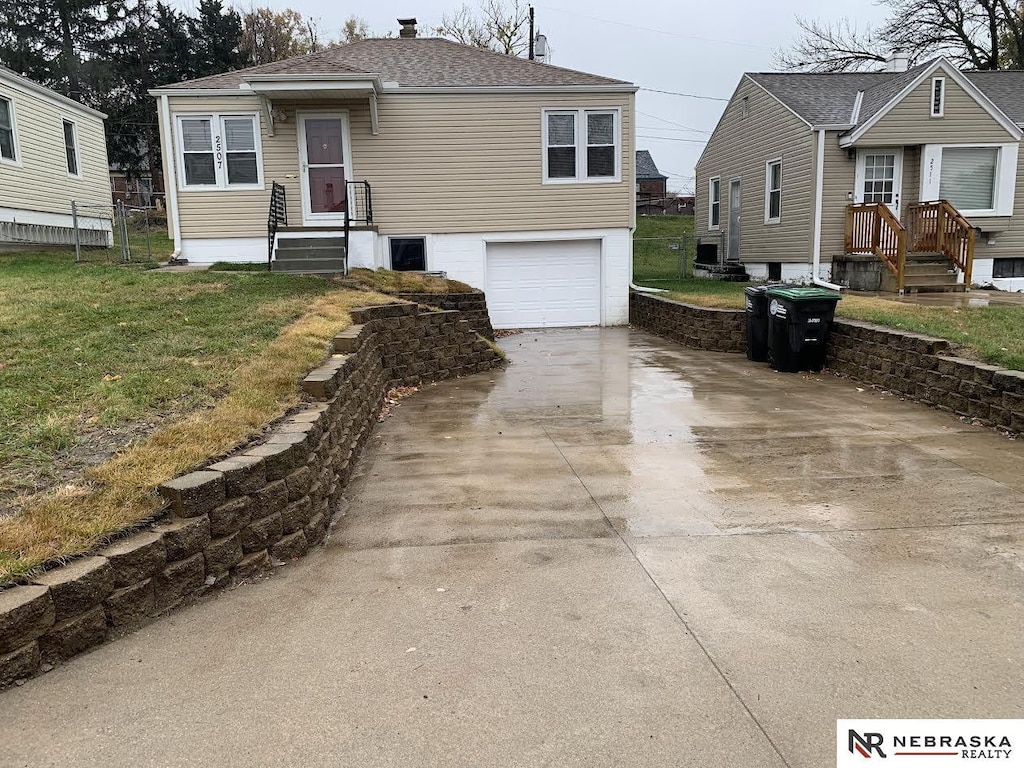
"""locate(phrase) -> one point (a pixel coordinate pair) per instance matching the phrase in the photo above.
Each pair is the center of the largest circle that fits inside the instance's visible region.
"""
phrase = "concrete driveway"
(617, 552)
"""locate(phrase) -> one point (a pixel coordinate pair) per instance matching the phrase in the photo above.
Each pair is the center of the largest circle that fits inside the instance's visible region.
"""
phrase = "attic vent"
(745, 106)
(938, 96)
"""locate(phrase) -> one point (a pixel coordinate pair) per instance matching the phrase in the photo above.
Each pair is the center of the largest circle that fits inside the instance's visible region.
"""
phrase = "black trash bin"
(798, 326)
(757, 323)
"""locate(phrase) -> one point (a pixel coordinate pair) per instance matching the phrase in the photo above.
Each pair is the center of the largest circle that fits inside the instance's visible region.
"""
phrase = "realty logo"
(941, 742)
(866, 744)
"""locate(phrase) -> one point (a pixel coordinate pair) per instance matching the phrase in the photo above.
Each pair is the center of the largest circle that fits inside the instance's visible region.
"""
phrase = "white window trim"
(14, 133)
(427, 256)
(1005, 181)
(78, 148)
(581, 144)
(711, 203)
(942, 98)
(767, 190)
(220, 168)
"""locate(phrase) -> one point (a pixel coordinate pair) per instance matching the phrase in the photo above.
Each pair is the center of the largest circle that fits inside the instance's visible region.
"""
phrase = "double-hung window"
(581, 145)
(7, 148)
(218, 151)
(71, 148)
(773, 191)
(715, 202)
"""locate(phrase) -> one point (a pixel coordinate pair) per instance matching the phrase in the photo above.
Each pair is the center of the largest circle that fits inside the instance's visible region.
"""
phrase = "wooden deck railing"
(874, 228)
(940, 228)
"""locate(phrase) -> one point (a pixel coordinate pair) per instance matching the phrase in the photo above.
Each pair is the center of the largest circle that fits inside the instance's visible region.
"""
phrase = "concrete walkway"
(615, 553)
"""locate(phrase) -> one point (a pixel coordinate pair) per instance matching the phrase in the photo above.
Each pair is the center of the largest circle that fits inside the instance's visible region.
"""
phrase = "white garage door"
(544, 284)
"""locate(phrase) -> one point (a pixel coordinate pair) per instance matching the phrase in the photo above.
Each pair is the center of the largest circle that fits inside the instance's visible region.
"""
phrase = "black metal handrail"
(358, 208)
(277, 215)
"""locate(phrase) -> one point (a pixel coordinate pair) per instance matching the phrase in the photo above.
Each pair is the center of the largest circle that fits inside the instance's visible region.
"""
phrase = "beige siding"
(739, 148)
(440, 163)
(40, 181)
(910, 121)
(838, 185)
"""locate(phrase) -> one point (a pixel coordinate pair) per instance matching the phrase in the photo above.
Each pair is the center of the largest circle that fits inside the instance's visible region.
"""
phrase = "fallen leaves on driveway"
(391, 400)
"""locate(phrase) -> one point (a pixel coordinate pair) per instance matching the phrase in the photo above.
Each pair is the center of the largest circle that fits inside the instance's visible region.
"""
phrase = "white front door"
(880, 177)
(325, 155)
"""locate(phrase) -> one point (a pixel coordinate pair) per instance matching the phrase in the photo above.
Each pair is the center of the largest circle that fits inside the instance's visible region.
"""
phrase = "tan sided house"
(413, 153)
(894, 180)
(52, 152)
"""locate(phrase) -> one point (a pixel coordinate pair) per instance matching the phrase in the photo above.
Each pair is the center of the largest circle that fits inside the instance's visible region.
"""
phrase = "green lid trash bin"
(799, 320)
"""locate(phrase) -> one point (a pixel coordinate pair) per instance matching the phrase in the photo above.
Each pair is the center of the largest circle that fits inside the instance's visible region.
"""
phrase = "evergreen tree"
(63, 44)
(216, 35)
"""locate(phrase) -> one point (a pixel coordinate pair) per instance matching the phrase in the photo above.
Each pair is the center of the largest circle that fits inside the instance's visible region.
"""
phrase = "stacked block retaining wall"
(231, 519)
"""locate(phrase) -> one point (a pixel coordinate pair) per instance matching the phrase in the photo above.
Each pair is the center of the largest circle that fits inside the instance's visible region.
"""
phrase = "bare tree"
(269, 35)
(975, 34)
(495, 24)
(354, 29)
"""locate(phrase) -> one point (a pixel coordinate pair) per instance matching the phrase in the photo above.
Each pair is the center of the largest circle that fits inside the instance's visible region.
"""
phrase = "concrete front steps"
(924, 273)
(730, 272)
(309, 255)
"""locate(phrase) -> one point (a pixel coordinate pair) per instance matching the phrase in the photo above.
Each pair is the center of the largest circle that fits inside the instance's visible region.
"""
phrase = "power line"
(576, 14)
(670, 122)
(671, 138)
(686, 95)
(670, 130)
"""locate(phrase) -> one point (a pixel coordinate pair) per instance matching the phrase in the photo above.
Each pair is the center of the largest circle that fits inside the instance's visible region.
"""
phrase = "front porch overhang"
(314, 88)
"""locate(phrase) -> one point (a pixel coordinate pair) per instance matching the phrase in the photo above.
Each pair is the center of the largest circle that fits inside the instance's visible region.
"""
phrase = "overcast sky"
(701, 49)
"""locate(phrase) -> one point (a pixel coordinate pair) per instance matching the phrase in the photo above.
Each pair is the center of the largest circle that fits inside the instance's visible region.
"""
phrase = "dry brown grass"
(388, 281)
(121, 492)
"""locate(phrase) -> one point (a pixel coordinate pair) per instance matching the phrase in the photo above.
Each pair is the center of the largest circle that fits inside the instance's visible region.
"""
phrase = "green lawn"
(97, 346)
(659, 246)
(115, 378)
(993, 334)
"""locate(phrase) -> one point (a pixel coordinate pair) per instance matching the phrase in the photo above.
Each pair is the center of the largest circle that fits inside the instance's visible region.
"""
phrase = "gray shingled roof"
(828, 99)
(1005, 88)
(820, 99)
(415, 62)
(645, 167)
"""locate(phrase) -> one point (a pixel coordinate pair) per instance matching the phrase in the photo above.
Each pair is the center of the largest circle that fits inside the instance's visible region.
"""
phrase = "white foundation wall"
(234, 249)
(791, 273)
(463, 257)
(981, 274)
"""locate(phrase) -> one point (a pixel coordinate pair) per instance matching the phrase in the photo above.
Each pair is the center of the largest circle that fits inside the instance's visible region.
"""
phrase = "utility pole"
(531, 34)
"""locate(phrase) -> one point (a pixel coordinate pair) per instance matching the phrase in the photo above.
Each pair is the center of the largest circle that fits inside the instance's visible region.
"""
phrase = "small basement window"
(775, 271)
(1008, 267)
(408, 254)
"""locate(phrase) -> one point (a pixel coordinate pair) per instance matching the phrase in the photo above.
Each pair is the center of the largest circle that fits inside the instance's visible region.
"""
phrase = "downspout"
(632, 216)
(819, 190)
(170, 176)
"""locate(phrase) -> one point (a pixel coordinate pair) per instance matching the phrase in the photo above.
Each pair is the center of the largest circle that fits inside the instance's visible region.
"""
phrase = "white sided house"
(52, 152)
(413, 154)
(906, 179)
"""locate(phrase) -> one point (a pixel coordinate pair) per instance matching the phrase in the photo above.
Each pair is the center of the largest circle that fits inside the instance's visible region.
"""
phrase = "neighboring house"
(848, 169)
(651, 185)
(682, 204)
(415, 153)
(52, 152)
(138, 190)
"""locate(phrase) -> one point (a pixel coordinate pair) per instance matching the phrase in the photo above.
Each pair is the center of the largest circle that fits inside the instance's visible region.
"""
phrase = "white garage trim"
(545, 283)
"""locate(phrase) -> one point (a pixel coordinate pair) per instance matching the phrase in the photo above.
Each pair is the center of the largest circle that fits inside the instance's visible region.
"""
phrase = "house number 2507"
(218, 146)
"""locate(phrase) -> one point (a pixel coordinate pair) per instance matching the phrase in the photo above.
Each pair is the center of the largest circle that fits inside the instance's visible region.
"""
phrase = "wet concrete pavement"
(616, 552)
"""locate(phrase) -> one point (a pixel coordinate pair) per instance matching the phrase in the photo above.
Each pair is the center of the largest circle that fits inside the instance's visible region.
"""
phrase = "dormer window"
(938, 96)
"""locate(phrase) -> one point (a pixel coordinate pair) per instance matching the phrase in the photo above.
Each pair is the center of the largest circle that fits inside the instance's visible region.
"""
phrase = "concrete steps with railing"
(309, 255)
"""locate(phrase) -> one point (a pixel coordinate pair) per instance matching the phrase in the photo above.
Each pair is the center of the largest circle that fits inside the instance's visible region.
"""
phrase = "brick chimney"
(408, 28)
(898, 61)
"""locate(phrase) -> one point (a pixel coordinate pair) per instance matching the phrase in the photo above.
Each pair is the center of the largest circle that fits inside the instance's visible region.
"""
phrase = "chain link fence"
(125, 230)
(663, 259)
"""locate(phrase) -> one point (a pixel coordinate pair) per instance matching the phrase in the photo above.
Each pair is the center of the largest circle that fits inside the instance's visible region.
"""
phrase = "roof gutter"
(819, 189)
